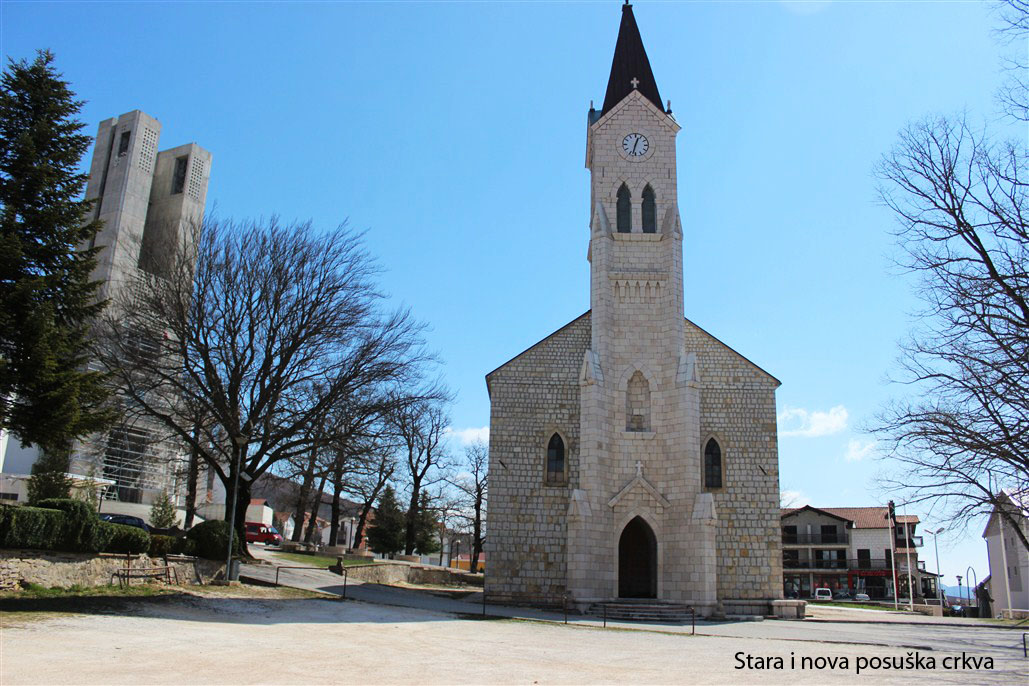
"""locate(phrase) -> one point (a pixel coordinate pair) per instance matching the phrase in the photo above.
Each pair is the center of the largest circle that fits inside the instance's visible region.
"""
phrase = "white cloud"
(858, 449)
(790, 498)
(799, 422)
(470, 435)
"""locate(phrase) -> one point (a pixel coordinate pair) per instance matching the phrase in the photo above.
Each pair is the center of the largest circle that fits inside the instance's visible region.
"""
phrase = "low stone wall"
(56, 569)
(393, 573)
(931, 610)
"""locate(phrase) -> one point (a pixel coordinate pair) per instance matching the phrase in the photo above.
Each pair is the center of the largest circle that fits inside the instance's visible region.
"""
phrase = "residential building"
(852, 549)
(632, 453)
(1009, 560)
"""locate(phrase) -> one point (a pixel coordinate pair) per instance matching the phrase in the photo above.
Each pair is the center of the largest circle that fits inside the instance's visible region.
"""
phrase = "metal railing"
(841, 538)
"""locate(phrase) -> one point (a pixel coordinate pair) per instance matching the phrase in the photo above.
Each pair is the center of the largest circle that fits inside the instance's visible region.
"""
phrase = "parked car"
(823, 594)
(842, 594)
(259, 533)
(861, 596)
(127, 520)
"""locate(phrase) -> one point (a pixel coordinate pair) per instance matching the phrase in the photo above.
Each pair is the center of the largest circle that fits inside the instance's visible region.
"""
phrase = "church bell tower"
(639, 512)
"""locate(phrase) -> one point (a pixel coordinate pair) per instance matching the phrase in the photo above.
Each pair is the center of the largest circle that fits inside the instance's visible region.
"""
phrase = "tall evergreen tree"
(426, 531)
(47, 396)
(386, 534)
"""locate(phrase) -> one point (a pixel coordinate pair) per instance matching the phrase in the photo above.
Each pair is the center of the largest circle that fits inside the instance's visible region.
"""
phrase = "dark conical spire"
(630, 68)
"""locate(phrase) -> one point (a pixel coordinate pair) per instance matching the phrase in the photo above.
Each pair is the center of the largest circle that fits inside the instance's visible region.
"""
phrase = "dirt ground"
(282, 639)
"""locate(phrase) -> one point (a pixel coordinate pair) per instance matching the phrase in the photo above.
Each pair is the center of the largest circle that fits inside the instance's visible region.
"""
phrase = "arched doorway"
(637, 561)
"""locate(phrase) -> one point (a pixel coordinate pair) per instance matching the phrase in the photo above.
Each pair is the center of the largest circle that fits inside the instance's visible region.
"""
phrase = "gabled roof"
(862, 517)
(630, 65)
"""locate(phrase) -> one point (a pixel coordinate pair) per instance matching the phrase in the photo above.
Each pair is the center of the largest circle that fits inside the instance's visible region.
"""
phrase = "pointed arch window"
(649, 211)
(555, 461)
(637, 403)
(624, 213)
(712, 465)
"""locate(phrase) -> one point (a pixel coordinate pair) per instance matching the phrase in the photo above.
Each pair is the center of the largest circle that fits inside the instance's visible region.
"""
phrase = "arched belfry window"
(712, 465)
(555, 460)
(624, 213)
(649, 211)
(637, 403)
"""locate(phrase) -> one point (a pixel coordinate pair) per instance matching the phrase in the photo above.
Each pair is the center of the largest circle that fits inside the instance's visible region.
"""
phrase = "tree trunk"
(473, 563)
(359, 531)
(242, 503)
(193, 475)
(312, 523)
(337, 486)
(412, 518)
(305, 493)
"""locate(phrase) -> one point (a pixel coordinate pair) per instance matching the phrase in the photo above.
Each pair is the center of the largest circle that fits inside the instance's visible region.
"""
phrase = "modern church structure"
(632, 454)
(148, 200)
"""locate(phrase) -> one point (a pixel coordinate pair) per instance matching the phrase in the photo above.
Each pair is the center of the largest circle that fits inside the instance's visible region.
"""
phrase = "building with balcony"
(851, 549)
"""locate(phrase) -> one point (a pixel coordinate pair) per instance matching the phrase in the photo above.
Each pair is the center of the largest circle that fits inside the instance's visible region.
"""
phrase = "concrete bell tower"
(640, 525)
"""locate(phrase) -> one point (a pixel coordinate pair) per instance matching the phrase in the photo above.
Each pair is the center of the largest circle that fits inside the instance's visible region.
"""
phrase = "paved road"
(996, 641)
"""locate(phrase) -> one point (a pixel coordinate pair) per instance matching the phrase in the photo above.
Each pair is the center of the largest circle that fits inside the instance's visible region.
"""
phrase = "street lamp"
(241, 446)
(936, 544)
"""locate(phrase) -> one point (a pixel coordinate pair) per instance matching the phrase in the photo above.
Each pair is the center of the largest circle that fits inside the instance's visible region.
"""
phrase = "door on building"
(637, 561)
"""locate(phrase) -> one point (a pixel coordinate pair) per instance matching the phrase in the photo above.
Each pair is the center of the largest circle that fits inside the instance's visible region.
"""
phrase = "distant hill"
(965, 591)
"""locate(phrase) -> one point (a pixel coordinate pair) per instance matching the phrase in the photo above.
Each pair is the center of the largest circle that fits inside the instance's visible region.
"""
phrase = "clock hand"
(634, 146)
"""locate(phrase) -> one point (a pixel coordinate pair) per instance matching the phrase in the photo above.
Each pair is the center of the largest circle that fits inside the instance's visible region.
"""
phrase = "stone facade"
(634, 392)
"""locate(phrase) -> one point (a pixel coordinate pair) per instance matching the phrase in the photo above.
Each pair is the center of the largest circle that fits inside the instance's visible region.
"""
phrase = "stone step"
(641, 611)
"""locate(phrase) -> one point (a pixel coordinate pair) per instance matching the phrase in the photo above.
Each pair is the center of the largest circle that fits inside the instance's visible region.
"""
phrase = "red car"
(259, 533)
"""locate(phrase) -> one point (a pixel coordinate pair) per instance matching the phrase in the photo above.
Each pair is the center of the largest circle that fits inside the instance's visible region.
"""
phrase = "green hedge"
(83, 530)
(126, 539)
(161, 545)
(30, 527)
(211, 539)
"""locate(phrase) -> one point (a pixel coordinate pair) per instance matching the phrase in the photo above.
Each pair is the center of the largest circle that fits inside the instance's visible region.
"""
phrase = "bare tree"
(1014, 92)
(366, 485)
(472, 482)
(420, 427)
(963, 433)
(243, 319)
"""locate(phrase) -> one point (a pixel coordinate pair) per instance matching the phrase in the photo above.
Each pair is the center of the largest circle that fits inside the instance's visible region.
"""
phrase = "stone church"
(633, 455)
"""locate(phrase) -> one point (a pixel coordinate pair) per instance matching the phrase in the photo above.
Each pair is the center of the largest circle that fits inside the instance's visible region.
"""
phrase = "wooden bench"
(125, 576)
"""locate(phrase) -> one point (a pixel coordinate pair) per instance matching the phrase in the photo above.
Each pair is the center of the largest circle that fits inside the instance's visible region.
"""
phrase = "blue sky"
(454, 133)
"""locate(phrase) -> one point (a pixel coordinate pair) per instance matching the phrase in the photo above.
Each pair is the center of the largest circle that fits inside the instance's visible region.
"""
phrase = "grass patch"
(323, 561)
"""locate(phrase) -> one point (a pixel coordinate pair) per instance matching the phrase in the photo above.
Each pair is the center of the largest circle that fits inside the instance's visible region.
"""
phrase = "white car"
(823, 594)
(858, 596)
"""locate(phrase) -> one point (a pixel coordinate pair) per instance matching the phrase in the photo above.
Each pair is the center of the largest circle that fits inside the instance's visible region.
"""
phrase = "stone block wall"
(531, 397)
(63, 570)
(737, 408)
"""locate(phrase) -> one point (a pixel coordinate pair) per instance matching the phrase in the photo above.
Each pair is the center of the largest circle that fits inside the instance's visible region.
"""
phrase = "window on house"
(789, 534)
(555, 460)
(123, 149)
(828, 533)
(179, 177)
(887, 555)
(649, 211)
(864, 557)
(712, 465)
(624, 210)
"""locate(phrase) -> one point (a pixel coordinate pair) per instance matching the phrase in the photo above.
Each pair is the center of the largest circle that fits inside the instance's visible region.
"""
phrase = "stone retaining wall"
(392, 573)
(59, 569)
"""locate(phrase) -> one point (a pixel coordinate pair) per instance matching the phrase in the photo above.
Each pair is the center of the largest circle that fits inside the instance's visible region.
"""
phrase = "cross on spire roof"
(630, 68)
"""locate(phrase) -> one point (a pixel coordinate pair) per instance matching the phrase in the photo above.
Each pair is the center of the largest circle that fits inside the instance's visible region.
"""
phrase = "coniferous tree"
(163, 513)
(426, 533)
(47, 396)
(386, 534)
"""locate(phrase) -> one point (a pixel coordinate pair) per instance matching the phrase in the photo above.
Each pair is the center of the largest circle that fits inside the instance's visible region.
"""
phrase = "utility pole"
(936, 544)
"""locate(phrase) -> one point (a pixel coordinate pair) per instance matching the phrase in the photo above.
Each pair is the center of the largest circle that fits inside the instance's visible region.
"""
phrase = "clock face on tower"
(635, 145)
